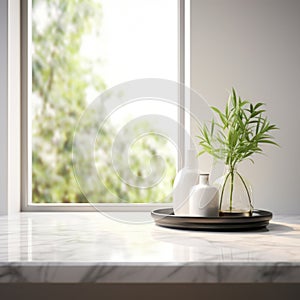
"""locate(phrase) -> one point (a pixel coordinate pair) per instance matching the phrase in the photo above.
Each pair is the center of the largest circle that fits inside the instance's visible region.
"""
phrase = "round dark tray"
(165, 217)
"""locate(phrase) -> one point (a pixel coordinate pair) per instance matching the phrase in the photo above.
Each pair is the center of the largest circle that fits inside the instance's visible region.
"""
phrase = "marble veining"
(89, 247)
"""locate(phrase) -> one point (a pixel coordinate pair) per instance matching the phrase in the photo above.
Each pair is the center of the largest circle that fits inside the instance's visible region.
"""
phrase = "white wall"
(254, 46)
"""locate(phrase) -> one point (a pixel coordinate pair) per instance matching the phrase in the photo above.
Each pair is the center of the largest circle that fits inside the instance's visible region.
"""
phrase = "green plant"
(238, 134)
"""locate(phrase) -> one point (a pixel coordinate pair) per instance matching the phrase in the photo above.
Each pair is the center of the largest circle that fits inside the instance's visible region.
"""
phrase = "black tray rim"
(164, 217)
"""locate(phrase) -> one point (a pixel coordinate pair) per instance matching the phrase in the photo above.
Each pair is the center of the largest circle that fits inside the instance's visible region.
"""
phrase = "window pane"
(80, 49)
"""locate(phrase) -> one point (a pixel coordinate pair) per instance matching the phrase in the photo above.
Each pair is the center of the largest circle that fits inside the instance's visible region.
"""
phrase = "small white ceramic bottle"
(185, 179)
(204, 199)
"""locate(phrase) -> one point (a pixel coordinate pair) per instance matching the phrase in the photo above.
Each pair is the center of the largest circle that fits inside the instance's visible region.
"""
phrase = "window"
(75, 51)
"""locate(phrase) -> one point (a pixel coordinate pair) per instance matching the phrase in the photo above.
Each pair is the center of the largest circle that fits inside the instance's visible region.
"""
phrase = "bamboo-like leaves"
(238, 134)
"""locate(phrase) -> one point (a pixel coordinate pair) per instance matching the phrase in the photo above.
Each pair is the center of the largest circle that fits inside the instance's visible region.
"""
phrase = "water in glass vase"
(235, 194)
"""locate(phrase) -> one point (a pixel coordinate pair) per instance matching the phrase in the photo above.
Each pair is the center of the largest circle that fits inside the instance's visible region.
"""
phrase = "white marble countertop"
(89, 247)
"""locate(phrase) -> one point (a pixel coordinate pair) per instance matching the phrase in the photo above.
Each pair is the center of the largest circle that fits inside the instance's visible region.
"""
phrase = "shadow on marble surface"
(279, 228)
(188, 237)
(272, 228)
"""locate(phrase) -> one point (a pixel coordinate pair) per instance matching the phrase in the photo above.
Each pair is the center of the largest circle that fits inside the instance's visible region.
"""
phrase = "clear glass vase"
(235, 194)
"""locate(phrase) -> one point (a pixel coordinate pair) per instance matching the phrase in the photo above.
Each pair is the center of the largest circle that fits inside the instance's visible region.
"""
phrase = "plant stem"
(248, 193)
(231, 187)
(223, 188)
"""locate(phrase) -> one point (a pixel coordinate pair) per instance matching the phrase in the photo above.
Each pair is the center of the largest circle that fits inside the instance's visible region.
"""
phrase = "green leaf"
(259, 104)
(269, 142)
(201, 153)
(221, 115)
(234, 98)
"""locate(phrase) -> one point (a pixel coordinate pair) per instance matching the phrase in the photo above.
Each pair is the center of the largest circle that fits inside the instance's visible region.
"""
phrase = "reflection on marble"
(88, 247)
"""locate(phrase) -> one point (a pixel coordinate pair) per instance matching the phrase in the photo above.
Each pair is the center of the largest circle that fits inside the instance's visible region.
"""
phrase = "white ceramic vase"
(204, 199)
(185, 179)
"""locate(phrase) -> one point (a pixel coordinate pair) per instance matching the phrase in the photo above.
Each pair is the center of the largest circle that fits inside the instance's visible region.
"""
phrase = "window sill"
(88, 207)
(89, 247)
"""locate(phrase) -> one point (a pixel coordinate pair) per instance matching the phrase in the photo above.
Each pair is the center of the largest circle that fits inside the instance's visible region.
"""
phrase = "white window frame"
(10, 116)
(183, 52)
